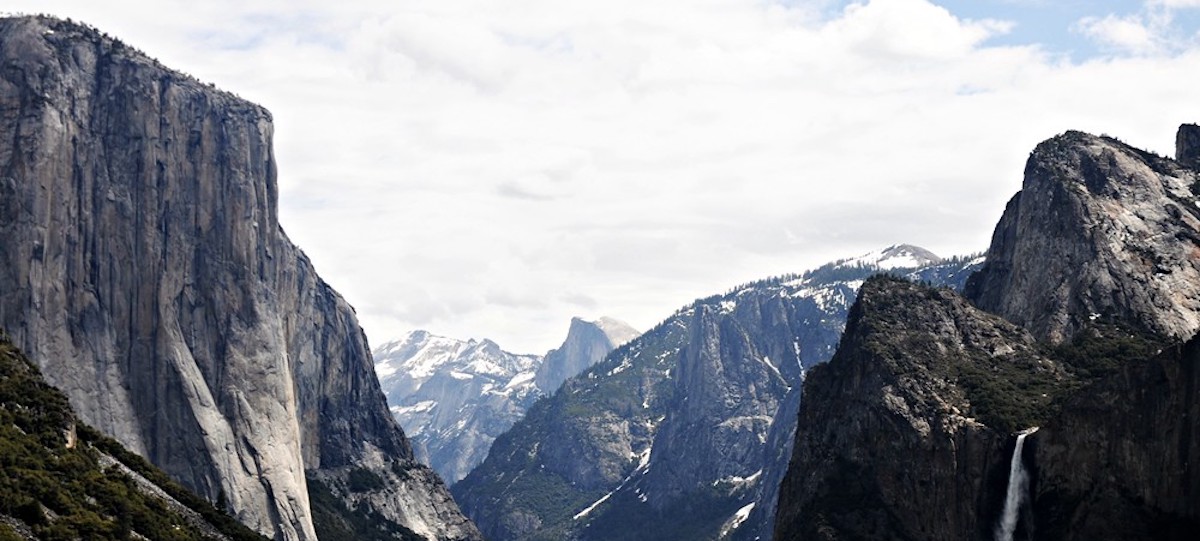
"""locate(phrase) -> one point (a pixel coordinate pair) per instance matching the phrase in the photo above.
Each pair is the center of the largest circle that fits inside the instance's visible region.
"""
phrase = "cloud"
(1174, 4)
(1127, 33)
(484, 169)
(1154, 30)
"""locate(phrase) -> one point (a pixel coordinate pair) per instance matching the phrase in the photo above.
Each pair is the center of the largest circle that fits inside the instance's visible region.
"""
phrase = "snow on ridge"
(899, 256)
(643, 466)
(736, 520)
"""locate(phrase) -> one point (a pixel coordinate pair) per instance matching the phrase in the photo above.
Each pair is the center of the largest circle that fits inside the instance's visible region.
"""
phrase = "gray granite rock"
(1099, 230)
(144, 268)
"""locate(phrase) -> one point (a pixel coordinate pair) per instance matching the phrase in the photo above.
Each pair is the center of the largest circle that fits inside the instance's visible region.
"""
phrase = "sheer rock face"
(586, 344)
(1187, 146)
(1099, 229)
(889, 445)
(143, 267)
(1119, 463)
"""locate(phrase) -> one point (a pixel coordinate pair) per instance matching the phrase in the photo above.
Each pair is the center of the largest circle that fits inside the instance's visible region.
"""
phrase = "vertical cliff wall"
(144, 268)
(1099, 229)
(902, 435)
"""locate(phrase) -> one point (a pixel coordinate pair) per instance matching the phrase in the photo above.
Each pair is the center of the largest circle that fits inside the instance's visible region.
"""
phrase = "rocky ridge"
(145, 271)
(667, 438)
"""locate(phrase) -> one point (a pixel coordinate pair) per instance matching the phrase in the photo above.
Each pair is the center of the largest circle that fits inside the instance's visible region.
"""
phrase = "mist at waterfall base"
(1016, 496)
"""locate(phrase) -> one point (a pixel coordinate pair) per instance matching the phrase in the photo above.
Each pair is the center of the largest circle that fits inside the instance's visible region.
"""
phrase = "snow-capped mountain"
(899, 256)
(454, 397)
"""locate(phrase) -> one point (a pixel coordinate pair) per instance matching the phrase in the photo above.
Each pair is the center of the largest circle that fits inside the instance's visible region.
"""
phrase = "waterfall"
(1018, 486)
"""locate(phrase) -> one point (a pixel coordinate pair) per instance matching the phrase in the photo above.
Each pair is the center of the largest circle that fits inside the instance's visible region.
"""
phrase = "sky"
(492, 168)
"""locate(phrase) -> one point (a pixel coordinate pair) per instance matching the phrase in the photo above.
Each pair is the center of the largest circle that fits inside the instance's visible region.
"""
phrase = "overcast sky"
(485, 168)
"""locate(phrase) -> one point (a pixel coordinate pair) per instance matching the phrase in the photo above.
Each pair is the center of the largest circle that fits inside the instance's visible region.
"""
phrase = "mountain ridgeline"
(683, 433)
(453, 397)
(144, 270)
(1081, 322)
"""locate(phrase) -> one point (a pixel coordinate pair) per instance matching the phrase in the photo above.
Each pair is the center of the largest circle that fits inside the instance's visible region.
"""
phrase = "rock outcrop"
(144, 269)
(1099, 230)
(1187, 146)
(586, 344)
(902, 435)
(677, 434)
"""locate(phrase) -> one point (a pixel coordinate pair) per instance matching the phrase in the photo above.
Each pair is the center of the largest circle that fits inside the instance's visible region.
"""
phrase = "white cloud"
(1127, 33)
(1174, 4)
(1150, 31)
(490, 169)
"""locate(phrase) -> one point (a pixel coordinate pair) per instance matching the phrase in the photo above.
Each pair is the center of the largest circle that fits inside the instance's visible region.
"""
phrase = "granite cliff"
(587, 343)
(60, 479)
(907, 432)
(144, 269)
(902, 434)
(1099, 230)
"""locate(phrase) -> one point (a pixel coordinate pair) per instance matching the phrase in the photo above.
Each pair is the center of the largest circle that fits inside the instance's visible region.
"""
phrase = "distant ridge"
(684, 432)
(454, 397)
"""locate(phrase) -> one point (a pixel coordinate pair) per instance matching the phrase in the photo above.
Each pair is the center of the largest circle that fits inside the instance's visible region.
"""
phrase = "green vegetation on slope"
(918, 328)
(60, 490)
(1009, 391)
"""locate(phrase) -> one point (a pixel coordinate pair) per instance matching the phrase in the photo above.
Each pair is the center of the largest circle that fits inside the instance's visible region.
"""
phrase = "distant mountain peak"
(587, 343)
(897, 256)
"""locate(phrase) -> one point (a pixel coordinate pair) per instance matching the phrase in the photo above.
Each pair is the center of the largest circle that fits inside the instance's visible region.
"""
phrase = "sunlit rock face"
(586, 344)
(143, 267)
(1099, 230)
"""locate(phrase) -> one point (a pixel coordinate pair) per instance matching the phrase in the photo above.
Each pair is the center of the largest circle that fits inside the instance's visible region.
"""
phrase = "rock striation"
(144, 269)
(1099, 229)
(60, 479)
(677, 434)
